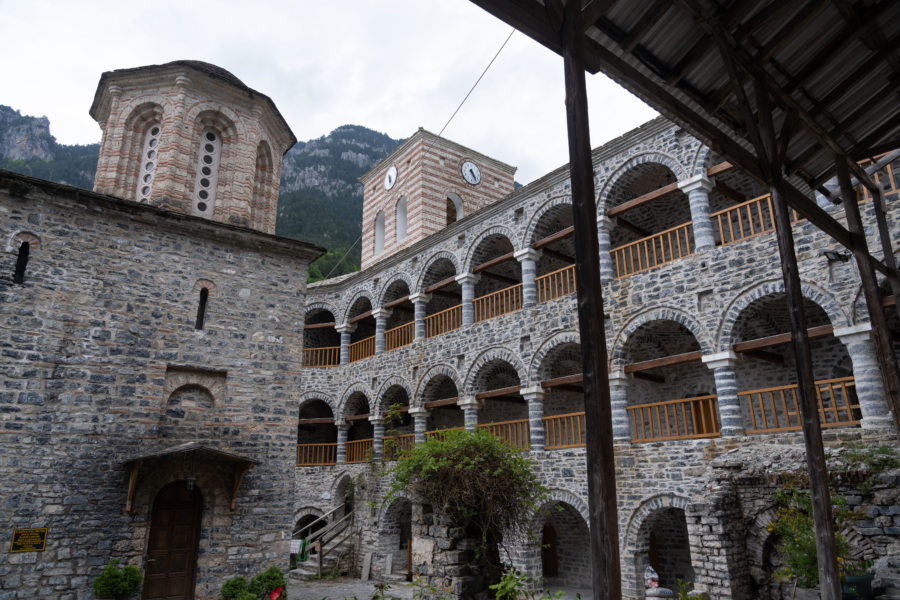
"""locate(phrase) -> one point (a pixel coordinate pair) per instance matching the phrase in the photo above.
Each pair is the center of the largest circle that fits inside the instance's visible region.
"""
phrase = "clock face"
(471, 173)
(390, 178)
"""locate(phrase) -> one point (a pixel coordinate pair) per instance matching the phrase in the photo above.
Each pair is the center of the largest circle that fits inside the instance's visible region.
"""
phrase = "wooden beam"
(132, 484)
(647, 20)
(554, 237)
(360, 317)
(442, 283)
(396, 302)
(770, 357)
(722, 167)
(643, 199)
(564, 380)
(666, 361)
(626, 224)
(502, 278)
(442, 402)
(494, 261)
(361, 417)
(558, 255)
(318, 325)
(650, 377)
(319, 421)
(507, 391)
(730, 192)
(594, 10)
(781, 338)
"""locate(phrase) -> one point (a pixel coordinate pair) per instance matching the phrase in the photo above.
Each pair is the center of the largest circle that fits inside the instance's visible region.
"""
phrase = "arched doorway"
(172, 548)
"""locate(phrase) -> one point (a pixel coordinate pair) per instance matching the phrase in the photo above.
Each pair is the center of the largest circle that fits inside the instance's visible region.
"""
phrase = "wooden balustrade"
(362, 349)
(316, 454)
(514, 432)
(658, 249)
(498, 303)
(439, 433)
(395, 445)
(556, 284)
(776, 408)
(884, 177)
(564, 431)
(399, 336)
(746, 220)
(689, 418)
(321, 357)
(444, 321)
(359, 451)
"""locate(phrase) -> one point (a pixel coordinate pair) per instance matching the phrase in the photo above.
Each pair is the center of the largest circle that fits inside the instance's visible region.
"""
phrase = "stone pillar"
(381, 316)
(467, 281)
(528, 259)
(419, 301)
(341, 454)
(535, 398)
(618, 400)
(697, 189)
(420, 423)
(110, 160)
(345, 330)
(605, 226)
(469, 406)
(730, 417)
(377, 437)
(867, 375)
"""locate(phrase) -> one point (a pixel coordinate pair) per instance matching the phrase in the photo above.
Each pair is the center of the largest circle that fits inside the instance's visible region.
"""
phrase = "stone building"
(152, 345)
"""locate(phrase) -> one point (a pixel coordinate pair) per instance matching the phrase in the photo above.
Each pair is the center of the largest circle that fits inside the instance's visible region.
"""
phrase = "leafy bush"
(117, 582)
(268, 585)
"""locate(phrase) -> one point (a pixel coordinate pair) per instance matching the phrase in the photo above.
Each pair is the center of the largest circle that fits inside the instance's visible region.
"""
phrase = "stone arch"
(424, 380)
(321, 305)
(495, 353)
(204, 283)
(658, 314)
(388, 384)
(265, 190)
(663, 159)
(836, 314)
(138, 116)
(359, 293)
(557, 496)
(700, 164)
(383, 509)
(359, 387)
(212, 382)
(338, 491)
(394, 278)
(490, 231)
(553, 202)
(555, 340)
(16, 241)
(633, 547)
(428, 262)
(328, 399)
(303, 513)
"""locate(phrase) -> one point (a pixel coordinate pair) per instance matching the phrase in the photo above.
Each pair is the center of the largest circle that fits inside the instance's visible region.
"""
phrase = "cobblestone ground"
(346, 588)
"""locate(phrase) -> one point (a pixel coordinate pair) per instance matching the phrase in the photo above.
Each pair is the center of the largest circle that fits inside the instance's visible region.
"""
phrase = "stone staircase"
(335, 541)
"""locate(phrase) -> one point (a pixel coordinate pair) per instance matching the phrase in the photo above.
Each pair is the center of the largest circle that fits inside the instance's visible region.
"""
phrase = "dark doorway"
(172, 550)
(549, 556)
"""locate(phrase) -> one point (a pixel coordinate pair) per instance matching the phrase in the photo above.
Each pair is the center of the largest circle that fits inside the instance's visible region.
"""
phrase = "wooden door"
(549, 556)
(172, 549)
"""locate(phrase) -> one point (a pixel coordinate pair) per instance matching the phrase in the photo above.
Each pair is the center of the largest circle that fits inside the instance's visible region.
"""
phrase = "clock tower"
(425, 185)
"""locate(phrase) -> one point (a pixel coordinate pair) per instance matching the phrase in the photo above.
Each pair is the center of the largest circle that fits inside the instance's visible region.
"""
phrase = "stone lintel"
(854, 333)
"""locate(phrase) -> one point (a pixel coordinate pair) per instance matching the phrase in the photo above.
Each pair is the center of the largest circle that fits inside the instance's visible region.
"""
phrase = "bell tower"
(191, 137)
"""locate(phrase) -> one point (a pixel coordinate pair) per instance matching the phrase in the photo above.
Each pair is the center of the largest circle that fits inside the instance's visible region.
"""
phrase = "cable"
(338, 263)
(476, 82)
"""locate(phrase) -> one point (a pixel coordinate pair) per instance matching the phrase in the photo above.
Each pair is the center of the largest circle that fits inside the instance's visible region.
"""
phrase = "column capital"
(604, 222)
(697, 182)
(376, 419)
(418, 411)
(342, 425)
(720, 359)
(345, 328)
(420, 297)
(382, 312)
(527, 254)
(468, 402)
(464, 278)
(854, 333)
(620, 377)
(535, 392)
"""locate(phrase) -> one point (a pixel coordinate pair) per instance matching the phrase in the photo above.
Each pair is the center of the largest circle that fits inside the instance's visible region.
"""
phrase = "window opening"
(379, 233)
(21, 263)
(401, 219)
(207, 173)
(201, 308)
(148, 162)
(454, 209)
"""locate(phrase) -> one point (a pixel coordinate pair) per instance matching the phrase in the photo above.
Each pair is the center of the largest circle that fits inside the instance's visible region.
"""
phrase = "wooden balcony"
(658, 249)
(514, 432)
(441, 322)
(776, 408)
(321, 357)
(556, 284)
(690, 418)
(309, 455)
(885, 177)
(439, 433)
(395, 445)
(745, 220)
(399, 336)
(564, 431)
(359, 451)
(362, 349)
(498, 303)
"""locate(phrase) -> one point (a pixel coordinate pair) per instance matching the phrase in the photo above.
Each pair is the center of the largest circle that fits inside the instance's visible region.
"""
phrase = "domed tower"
(191, 137)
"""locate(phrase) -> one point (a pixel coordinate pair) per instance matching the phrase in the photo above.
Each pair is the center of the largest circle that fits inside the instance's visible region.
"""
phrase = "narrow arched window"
(149, 156)
(401, 219)
(207, 173)
(379, 233)
(454, 208)
(201, 308)
(21, 263)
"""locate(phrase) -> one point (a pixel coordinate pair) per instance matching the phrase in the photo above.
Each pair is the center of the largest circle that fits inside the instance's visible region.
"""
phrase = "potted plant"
(117, 582)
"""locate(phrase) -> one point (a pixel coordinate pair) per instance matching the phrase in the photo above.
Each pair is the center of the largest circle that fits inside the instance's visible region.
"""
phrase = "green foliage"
(874, 460)
(515, 586)
(683, 591)
(334, 263)
(117, 582)
(262, 587)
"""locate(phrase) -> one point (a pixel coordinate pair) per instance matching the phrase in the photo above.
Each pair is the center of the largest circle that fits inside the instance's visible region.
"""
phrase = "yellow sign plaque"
(29, 540)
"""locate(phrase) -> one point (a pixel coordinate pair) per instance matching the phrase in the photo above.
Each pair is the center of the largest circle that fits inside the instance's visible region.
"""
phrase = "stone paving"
(346, 588)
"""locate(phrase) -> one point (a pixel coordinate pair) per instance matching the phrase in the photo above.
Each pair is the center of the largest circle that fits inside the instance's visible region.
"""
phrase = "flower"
(274, 595)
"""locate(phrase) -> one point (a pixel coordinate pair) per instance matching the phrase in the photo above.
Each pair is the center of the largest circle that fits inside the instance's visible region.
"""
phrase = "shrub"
(268, 585)
(116, 581)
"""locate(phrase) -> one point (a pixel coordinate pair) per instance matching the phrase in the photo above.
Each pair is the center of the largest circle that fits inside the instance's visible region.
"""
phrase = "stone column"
(618, 400)
(345, 330)
(528, 259)
(867, 375)
(535, 398)
(469, 406)
(697, 189)
(730, 418)
(381, 316)
(377, 437)
(605, 226)
(419, 301)
(420, 423)
(467, 281)
(341, 455)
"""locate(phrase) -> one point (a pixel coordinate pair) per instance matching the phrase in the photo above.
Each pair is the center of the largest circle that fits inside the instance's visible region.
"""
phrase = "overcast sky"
(390, 65)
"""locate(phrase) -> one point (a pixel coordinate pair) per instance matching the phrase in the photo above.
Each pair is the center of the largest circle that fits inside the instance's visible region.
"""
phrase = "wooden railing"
(556, 284)
(394, 445)
(746, 220)
(362, 349)
(675, 420)
(658, 249)
(498, 303)
(564, 431)
(776, 409)
(321, 357)
(399, 336)
(439, 433)
(884, 177)
(514, 432)
(444, 321)
(316, 454)
(359, 451)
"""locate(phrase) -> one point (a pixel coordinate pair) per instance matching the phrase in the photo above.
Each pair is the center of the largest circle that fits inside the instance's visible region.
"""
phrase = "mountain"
(320, 199)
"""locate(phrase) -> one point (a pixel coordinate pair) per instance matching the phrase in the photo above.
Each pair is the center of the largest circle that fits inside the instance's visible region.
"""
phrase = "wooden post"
(607, 581)
(887, 248)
